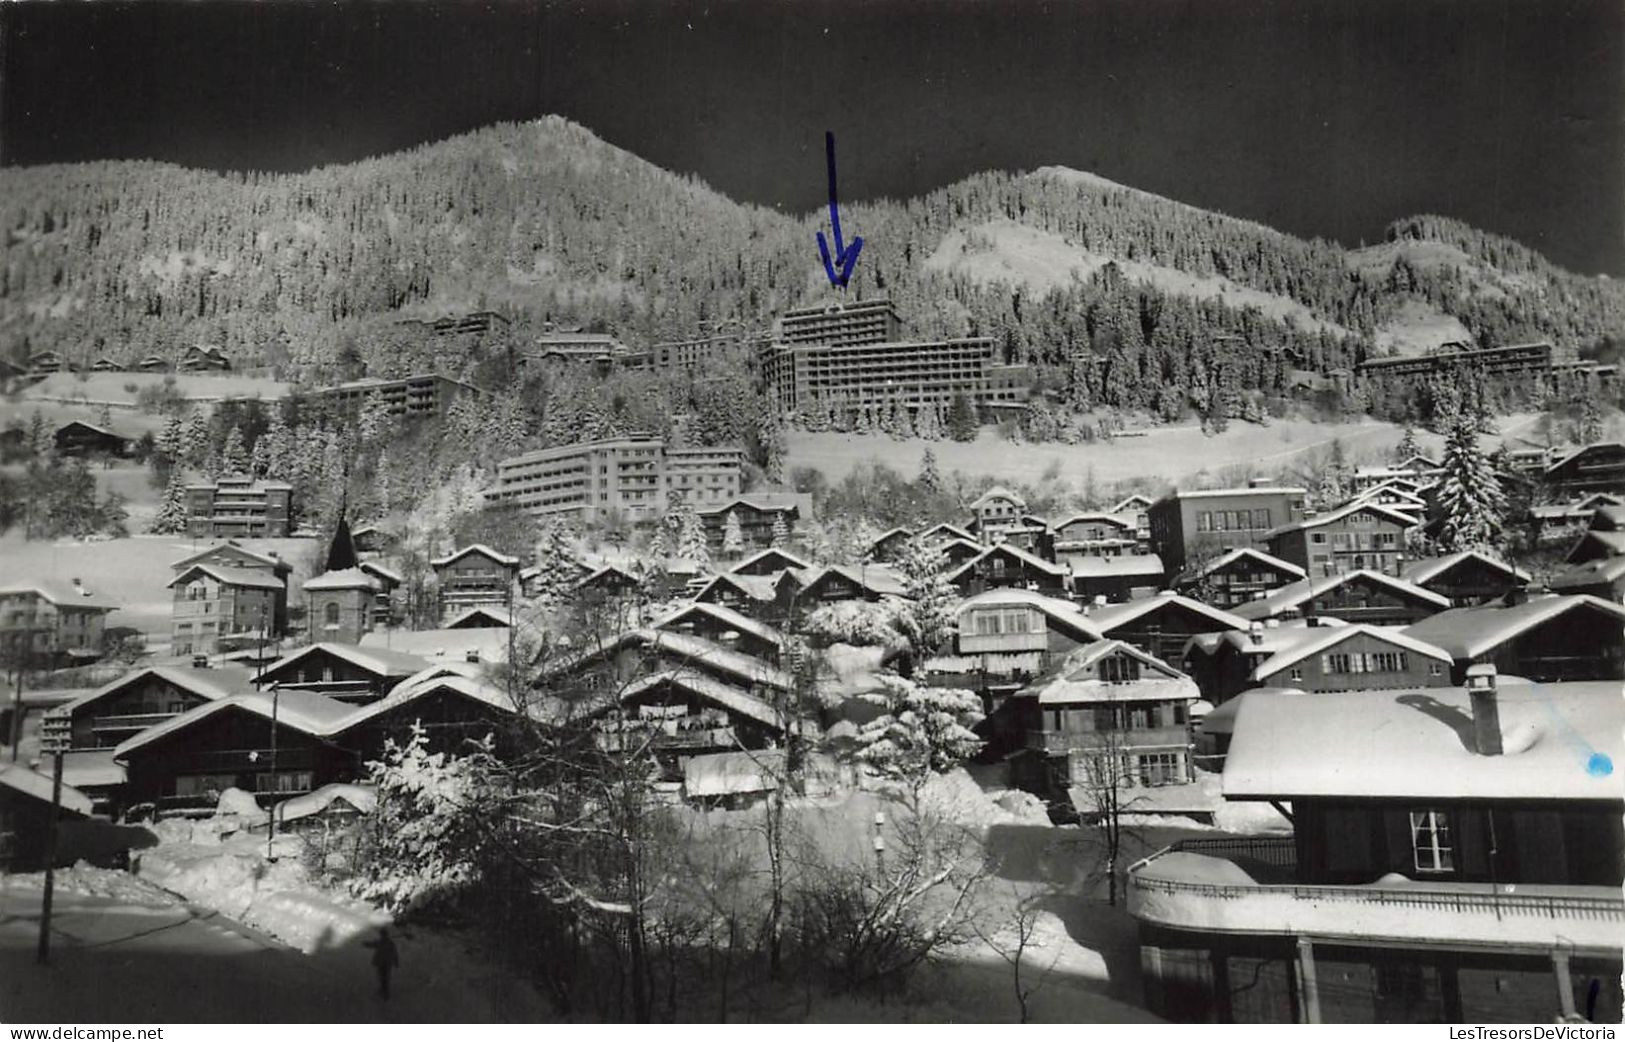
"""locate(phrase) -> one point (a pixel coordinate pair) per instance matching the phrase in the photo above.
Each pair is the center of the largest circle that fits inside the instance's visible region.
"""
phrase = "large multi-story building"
(1360, 535)
(237, 507)
(422, 395)
(42, 621)
(848, 355)
(632, 476)
(1189, 526)
(1511, 359)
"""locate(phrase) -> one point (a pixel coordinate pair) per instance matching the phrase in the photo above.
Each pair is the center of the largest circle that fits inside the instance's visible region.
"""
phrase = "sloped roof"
(795, 561)
(1347, 510)
(1419, 572)
(877, 578)
(1470, 632)
(1583, 450)
(1269, 560)
(343, 579)
(58, 593)
(474, 548)
(384, 662)
(258, 578)
(756, 587)
(1096, 517)
(405, 693)
(1030, 560)
(1073, 680)
(951, 530)
(31, 783)
(1203, 493)
(998, 492)
(1419, 744)
(305, 711)
(211, 684)
(1601, 570)
(890, 533)
(501, 616)
(1064, 613)
(91, 768)
(1612, 544)
(442, 646)
(728, 617)
(1293, 594)
(684, 645)
(1112, 616)
(1123, 564)
(382, 571)
(727, 774)
(1130, 504)
(710, 689)
(1312, 641)
(603, 570)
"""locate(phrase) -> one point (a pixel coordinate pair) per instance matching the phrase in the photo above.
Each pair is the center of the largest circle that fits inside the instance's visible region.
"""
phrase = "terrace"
(1245, 885)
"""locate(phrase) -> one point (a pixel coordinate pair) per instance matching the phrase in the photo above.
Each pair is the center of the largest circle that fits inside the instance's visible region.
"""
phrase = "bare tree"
(1010, 941)
(1110, 792)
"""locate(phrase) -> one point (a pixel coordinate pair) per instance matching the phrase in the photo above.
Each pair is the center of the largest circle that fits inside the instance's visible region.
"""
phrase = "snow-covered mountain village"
(484, 576)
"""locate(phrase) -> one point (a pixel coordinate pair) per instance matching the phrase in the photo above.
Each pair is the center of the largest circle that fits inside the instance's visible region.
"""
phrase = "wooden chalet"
(1466, 578)
(1161, 625)
(1102, 580)
(473, 576)
(727, 628)
(1598, 467)
(1096, 534)
(1236, 577)
(679, 714)
(769, 562)
(808, 588)
(1006, 565)
(119, 710)
(344, 672)
(199, 359)
(1005, 637)
(78, 438)
(1545, 639)
(1316, 658)
(996, 511)
(30, 812)
(1603, 577)
(751, 595)
(450, 707)
(889, 545)
(611, 665)
(1358, 596)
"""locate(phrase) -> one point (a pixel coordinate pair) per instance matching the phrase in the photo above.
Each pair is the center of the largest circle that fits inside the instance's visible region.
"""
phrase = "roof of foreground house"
(1315, 640)
(1470, 632)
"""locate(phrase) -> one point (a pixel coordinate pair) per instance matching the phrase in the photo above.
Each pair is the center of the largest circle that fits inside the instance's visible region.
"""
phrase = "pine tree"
(781, 532)
(929, 423)
(934, 598)
(1590, 428)
(234, 456)
(171, 516)
(169, 442)
(691, 541)
(961, 420)
(929, 476)
(104, 416)
(733, 537)
(40, 440)
(1470, 498)
(195, 440)
(1407, 446)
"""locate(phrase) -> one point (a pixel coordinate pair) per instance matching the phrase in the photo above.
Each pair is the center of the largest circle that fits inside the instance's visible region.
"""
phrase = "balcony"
(660, 740)
(1245, 886)
(130, 721)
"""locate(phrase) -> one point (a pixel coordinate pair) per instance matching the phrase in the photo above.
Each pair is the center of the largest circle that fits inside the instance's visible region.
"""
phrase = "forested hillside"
(1122, 298)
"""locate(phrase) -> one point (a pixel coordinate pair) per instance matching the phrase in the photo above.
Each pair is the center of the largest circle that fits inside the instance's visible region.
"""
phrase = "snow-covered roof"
(1096, 517)
(60, 594)
(998, 492)
(91, 768)
(343, 579)
(1601, 570)
(383, 662)
(876, 578)
(1138, 501)
(1342, 512)
(945, 528)
(1246, 552)
(1419, 744)
(773, 551)
(475, 548)
(1204, 493)
(500, 618)
(210, 684)
(756, 587)
(1091, 566)
(1291, 595)
(1611, 544)
(1582, 450)
(890, 533)
(728, 774)
(710, 689)
(682, 645)
(725, 615)
(1419, 572)
(1470, 632)
(275, 562)
(29, 782)
(1074, 680)
(603, 570)
(1310, 641)
(469, 687)
(1009, 549)
(306, 711)
(439, 646)
(362, 797)
(1112, 616)
(1061, 612)
(259, 578)
(382, 571)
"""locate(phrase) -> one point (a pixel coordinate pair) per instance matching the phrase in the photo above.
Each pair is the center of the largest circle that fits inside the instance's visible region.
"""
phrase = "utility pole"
(44, 954)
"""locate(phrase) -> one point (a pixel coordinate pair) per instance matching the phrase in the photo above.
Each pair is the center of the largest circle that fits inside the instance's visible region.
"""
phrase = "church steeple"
(341, 552)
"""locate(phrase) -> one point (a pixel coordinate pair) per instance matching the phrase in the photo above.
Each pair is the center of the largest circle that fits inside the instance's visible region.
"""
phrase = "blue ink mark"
(1599, 765)
(846, 255)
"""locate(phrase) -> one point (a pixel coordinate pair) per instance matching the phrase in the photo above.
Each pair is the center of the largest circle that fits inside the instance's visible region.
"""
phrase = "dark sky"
(1320, 117)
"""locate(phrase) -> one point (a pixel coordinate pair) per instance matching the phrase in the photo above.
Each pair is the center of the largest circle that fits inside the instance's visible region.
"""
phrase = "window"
(1431, 840)
(1119, 669)
(1297, 673)
(1160, 768)
(1318, 538)
(330, 614)
(1336, 663)
(1435, 669)
(1204, 522)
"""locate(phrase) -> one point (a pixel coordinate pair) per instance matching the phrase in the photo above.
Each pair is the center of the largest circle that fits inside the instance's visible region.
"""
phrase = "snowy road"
(140, 961)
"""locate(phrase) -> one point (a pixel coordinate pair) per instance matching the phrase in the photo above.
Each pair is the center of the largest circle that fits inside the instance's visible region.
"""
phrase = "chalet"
(1095, 534)
(995, 511)
(609, 666)
(216, 605)
(1359, 596)
(113, 712)
(889, 545)
(197, 359)
(609, 583)
(44, 621)
(1006, 637)
(1603, 577)
(1136, 508)
(1361, 536)
(26, 802)
(341, 605)
(1557, 521)
(342, 671)
(1029, 533)
(104, 364)
(231, 555)
(1107, 712)
(1598, 467)
(480, 617)
(810, 587)
(945, 532)
(386, 580)
(531, 580)
(473, 576)
(1162, 625)
(956, 552)
(1099, 580)
(272, 744)
(1546, 639)
(44, 363)
(78, 438)
(1455, 857)
(758, 514)
(451, 709)
(1237, 577)
(1355, 657)
(750, 595)
(1004, 565)
(771, 561)
(1595, 544)
(1466, 578)
(442, 647)
(679, 714)
(152, 364)
(726, 628)
(1398, 498)
(370, 538)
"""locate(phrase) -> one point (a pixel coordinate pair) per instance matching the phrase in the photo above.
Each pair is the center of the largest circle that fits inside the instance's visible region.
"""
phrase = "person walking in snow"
(384, 959)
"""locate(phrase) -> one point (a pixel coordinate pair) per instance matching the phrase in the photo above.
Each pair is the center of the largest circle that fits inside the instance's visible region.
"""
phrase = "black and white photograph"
(885, 512)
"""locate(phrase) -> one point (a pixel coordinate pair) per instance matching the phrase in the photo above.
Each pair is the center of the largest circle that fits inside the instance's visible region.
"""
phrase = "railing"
(709, 738)
(129, 720)
(1279, 851)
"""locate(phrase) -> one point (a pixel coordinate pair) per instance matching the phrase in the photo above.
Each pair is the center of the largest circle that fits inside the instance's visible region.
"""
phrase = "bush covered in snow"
(924, 729)
(865, 624)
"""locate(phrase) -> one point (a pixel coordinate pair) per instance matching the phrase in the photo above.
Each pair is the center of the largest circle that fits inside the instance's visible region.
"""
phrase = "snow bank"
(957, 796)
(88, 880)
(310, 921)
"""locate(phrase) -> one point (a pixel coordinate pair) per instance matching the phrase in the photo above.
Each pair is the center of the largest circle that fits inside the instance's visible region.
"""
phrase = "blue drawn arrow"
(846, 254)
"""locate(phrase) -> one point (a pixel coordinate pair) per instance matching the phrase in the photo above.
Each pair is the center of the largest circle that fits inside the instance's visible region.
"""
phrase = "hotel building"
(632, 475)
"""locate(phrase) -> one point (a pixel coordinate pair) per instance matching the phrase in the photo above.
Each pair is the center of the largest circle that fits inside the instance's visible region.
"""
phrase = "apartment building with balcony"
(838, 324)
(44, 621)
(1003, 638)
(632, 477)
(238, 507)
(473, 577)
(911, 373)
(427, 394)
(1189, 526)
(1455, 857)
(1361, 535)
(1234, 578)
(213, 604)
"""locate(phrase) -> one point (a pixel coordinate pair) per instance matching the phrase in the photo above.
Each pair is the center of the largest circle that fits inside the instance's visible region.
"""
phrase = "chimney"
(1258, 482)
(1515, 596)
(200, 662)
(1486, 710)
(472, 655)
(1255, 632)
(1272, 624)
